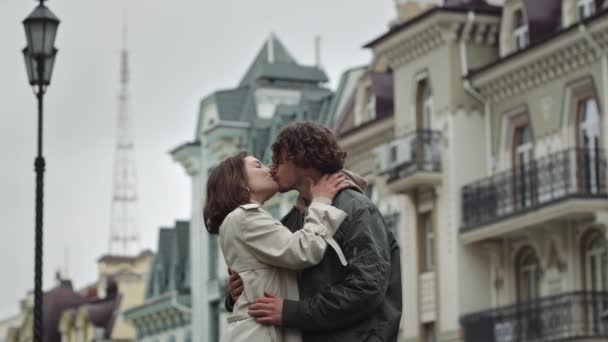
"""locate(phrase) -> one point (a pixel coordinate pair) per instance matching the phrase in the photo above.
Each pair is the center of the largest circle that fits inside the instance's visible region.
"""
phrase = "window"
(522, 161)
(528, 274)
(371, 106)
(393, 152)
(427, 105)
(421, 148)
(188, 337)
(427, 236)
(596, 263)
(591, 175)
(424, 105)
(520, 30)
(586, 8)
(596, 280)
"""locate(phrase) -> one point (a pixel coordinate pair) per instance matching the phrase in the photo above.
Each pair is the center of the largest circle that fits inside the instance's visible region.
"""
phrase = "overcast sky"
(181, 50)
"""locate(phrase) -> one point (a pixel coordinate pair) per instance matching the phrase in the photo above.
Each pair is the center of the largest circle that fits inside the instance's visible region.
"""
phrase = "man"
(357, 302)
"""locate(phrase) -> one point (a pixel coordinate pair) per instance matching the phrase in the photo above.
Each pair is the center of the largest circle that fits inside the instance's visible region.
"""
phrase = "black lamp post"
(40, 30)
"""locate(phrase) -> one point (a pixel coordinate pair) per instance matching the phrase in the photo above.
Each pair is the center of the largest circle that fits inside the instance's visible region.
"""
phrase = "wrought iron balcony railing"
(416, 152)
(572, 173)
(568, 316)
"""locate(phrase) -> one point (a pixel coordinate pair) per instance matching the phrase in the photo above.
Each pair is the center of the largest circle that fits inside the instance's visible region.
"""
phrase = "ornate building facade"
(496, 158)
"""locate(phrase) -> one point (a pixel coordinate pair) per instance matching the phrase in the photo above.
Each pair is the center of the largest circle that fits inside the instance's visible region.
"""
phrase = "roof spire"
(318, 51)
(270, 43)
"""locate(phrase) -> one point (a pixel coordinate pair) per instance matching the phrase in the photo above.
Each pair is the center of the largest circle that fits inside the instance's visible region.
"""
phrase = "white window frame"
(371, 106)
(586, 8)
(427, 105)
(520, 34)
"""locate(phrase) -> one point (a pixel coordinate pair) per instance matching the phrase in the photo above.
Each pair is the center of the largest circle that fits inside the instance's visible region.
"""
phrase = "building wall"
(546, 107)
(179, 334)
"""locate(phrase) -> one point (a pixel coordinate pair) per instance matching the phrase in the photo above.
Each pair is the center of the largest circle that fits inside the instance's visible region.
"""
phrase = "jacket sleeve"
(275, 245)
(339, 305)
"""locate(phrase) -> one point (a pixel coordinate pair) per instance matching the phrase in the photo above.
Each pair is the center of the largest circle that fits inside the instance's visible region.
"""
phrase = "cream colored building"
(495, 160)
(102, 319)
(93, 313)
(130, 274)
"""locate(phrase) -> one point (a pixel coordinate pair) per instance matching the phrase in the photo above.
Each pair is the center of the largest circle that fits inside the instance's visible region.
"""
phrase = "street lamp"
(40, 30)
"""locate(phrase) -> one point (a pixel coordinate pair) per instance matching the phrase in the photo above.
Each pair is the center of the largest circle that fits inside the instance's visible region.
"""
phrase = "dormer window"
(371, 106)
(520, 30)
(586, 8)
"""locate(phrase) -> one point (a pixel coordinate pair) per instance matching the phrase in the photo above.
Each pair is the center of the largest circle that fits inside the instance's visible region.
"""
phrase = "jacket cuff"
(290, 313)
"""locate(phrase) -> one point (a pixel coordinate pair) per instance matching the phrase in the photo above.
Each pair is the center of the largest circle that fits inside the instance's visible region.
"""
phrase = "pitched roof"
(344, 93)
(539, 43)
(170, 269)
(273, 61)
(54, 303)
(230, 103)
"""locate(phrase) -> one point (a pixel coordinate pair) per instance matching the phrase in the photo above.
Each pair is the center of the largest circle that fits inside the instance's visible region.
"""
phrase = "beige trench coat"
(265, 254)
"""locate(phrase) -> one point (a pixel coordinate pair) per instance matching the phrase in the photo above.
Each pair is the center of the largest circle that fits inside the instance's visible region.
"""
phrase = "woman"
(255, 245)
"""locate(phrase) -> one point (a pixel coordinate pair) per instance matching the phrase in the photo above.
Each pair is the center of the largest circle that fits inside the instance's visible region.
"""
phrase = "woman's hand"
(328, 186)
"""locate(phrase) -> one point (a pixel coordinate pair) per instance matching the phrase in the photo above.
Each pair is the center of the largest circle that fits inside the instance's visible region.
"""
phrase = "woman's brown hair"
(226, 190)
(308, 144)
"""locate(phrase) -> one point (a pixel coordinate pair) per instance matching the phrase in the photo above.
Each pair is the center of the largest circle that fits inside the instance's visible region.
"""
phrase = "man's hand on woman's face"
(235, 285)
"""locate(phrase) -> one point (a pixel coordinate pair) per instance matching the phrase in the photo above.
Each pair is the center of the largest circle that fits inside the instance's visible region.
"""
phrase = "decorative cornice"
(188, 155)
(439, 29)
(572, 51)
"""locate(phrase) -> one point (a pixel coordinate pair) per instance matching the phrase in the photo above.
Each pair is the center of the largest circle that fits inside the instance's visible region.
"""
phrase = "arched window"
(588, 133)
(595, 257)
(528, 274)
(422, 147)
(424, 105)
(596, 263)
(522, 165)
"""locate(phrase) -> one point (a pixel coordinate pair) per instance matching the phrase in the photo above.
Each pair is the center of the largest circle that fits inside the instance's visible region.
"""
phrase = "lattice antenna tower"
(124, 232)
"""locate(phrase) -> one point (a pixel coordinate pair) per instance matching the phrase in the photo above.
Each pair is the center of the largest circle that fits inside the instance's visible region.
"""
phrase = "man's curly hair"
(308, 144)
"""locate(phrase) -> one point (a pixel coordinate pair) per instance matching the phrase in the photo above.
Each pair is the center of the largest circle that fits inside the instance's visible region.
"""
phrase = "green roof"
(170, 269)
(282, 66)
(280, 72)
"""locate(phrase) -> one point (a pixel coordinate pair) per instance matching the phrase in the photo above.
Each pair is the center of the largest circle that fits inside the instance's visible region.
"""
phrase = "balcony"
(564, 317)
(569, 184)
(411, 162)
